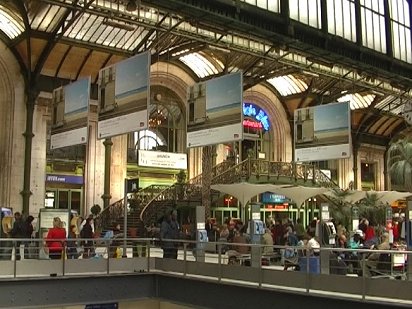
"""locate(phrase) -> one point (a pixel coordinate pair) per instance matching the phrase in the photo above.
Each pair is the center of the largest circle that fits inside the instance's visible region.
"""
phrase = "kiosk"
(257, 229)
(201, 234)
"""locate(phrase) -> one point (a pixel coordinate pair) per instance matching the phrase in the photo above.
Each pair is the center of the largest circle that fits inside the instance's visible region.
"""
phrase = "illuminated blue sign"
(269, 197)
(255, 112)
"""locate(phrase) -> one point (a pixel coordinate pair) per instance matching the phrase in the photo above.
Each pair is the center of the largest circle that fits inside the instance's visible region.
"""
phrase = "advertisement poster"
(124, 96)
(322, 132)
(215, 111)
(70, 114)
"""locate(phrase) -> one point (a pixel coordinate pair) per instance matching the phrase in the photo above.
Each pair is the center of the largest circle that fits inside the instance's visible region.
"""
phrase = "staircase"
(114, 214)
(253, 171)
(150, 203)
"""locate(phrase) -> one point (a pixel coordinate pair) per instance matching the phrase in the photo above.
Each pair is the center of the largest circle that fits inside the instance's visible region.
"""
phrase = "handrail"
(242, 172)
(218, 268)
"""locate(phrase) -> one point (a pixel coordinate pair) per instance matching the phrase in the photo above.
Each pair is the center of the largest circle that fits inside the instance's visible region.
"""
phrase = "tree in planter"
(341, 209)
(399, 162)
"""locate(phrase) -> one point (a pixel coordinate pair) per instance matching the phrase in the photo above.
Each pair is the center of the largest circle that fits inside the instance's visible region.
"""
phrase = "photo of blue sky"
(331, 116)
(224, 91)
(132, 74)
(76, 96)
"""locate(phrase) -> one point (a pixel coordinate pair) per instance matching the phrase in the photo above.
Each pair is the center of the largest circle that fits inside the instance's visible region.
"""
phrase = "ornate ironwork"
(157, 198)
(109, 215)
(115, 211)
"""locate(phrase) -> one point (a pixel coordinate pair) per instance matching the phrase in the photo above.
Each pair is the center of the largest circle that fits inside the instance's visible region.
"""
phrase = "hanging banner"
(70, 114)
(322, 132)
(215, 111)
(124, 96)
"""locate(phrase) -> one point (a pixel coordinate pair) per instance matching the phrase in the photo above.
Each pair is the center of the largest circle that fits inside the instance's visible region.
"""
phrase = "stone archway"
(12, 126)
(281, 134)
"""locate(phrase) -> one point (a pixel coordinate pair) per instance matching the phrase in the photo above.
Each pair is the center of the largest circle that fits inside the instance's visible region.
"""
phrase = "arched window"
(147, 140)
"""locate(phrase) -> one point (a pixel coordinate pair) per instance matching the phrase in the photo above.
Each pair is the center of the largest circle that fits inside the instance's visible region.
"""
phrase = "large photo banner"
(124, 96)
(70, 114)
(322, 132)
(215, 111)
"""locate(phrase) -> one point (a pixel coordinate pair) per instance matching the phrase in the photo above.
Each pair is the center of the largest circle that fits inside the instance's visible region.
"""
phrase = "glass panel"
(271, 5)
(10, 24)
(401, 31)
(287, 85)
(373, 25)
(306, 11)
(341, 19)
(200, 65)
(63, 200)
(76, 201)
(357, 100)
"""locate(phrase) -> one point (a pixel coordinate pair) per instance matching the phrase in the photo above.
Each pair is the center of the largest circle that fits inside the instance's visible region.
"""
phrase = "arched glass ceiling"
(287, 85)
(391, 104)
(357, 101)
(201, 65)
(9, 24)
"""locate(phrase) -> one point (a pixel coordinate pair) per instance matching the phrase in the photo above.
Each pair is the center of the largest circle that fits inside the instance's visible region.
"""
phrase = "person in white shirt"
(313, 246)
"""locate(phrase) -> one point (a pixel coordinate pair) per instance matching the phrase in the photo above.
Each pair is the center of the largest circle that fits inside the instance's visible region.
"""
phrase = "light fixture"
(310, 73)
(131, 5)
(117, 24)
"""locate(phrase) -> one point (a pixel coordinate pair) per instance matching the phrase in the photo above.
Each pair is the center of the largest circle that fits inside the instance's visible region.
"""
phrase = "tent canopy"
(245, 191)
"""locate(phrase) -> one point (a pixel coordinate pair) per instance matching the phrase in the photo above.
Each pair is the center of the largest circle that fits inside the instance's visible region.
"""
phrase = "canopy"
(298, 194)
(352, 196)
(387, 197)
(245, 191)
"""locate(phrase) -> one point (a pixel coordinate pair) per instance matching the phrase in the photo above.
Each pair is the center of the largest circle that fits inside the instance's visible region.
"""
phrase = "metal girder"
(303, 38)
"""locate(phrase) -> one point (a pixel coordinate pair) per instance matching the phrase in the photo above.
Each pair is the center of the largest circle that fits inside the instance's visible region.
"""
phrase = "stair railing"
(109, 215)
(115, 211)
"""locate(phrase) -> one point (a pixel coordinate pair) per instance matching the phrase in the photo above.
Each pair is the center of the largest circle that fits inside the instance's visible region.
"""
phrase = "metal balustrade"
(390, 284)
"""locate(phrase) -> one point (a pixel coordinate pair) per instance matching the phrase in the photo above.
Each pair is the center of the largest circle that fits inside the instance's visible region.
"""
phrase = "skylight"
(200, 65)
(357, 101)
(287, 85)
(10, 25)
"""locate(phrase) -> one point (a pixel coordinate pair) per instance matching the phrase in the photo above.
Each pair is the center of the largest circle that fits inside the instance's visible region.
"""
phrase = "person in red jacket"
(55, 239)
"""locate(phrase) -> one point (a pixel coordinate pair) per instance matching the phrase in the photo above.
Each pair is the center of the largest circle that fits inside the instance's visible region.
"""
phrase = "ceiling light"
(131, 6)
(116, 24)
(310, 73)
